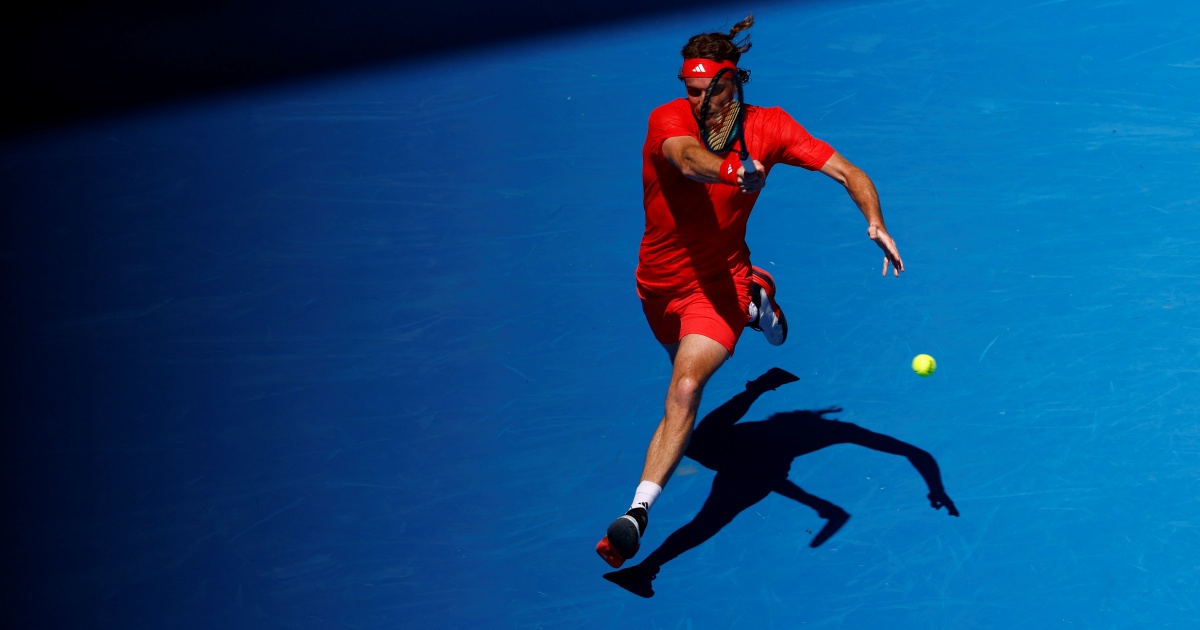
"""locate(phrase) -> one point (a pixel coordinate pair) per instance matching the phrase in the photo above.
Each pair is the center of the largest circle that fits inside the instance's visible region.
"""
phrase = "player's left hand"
(939, 499)
(891, 255)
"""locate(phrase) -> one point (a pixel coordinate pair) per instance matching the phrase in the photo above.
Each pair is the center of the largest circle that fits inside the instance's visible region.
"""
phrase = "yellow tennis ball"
(924, 365)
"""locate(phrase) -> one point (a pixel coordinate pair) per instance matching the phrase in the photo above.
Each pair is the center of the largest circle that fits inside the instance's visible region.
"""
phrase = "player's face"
(695, 94)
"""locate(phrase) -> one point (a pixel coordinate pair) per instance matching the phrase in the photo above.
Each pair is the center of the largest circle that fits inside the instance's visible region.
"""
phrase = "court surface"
(364, 351)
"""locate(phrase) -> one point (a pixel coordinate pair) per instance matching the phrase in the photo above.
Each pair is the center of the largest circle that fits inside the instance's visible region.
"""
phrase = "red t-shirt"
(696, 232)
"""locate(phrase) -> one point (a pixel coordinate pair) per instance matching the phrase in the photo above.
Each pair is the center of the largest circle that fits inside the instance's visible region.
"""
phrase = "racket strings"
(724, 131)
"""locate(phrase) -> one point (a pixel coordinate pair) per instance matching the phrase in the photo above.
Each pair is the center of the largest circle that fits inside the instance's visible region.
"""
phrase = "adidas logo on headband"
(704, 68)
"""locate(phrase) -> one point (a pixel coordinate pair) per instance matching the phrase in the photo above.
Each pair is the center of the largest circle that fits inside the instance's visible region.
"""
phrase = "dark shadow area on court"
(753, 459)
(68, 60)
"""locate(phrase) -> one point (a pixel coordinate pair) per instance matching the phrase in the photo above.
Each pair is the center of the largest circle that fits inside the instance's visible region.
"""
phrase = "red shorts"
(717, 310)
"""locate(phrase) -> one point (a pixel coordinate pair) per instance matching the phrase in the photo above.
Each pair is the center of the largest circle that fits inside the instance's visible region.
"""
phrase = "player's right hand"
(752, 182)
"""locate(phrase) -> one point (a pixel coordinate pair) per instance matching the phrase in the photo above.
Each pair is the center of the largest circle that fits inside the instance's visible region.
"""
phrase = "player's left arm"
(862, 192)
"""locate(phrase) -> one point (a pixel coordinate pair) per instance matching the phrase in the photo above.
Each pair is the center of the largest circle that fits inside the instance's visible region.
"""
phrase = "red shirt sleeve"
(669, 121)
(789, 143)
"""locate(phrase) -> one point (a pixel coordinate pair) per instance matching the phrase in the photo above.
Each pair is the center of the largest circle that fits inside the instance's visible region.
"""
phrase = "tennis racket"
(723, 117)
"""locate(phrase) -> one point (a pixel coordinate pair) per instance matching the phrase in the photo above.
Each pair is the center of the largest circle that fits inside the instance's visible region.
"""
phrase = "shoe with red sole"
(624, 537)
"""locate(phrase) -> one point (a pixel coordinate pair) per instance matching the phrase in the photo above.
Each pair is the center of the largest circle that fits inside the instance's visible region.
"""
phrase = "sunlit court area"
(327, 319)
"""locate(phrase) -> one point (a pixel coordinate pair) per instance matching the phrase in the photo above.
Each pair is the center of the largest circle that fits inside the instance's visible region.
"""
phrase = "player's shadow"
(752, 460)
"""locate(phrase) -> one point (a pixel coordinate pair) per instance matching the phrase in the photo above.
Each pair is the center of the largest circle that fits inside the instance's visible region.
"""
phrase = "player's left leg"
(765, 314)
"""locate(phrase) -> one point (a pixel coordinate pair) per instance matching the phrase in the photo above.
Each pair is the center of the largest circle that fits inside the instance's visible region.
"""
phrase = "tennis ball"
(924, 365)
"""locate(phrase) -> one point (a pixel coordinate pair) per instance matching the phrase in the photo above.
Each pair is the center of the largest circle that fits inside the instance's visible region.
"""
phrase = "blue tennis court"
(364, 351)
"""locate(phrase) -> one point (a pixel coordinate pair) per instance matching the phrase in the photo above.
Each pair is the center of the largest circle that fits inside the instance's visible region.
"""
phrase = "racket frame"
(740, 122)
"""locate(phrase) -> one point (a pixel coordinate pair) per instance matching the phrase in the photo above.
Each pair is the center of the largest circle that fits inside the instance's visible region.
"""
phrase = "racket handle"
(747, 163)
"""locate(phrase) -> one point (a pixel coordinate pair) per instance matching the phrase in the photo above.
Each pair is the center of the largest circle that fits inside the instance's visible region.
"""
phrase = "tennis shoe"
(767, 316)
(624, 537)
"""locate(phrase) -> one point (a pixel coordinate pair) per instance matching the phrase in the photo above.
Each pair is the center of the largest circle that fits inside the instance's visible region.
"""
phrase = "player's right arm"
(697, 163)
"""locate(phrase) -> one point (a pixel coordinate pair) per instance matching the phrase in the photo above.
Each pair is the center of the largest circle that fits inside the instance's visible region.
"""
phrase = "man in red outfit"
(698, 288)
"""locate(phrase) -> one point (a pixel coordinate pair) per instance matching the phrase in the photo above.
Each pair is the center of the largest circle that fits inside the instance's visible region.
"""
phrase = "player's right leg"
(696, 359)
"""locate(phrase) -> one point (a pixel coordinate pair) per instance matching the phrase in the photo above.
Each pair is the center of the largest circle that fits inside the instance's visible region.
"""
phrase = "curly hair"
(720, 46)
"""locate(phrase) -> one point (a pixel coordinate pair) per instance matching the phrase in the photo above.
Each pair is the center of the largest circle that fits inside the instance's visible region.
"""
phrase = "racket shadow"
(752, 460)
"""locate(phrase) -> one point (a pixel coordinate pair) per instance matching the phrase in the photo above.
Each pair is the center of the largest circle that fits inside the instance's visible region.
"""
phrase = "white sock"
(647, 492)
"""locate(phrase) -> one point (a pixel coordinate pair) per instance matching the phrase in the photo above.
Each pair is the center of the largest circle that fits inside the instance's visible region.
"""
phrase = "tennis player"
(694, 276)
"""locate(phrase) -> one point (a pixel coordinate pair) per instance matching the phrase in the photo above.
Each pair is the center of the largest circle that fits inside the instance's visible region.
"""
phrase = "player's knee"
(685, 391)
